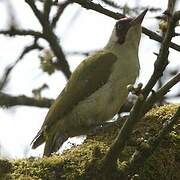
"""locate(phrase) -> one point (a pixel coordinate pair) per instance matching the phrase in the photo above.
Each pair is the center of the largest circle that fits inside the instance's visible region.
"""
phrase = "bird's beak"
(139, 19)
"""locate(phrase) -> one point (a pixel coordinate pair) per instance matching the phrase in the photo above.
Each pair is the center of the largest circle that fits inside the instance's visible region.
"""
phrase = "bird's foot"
(135, 90)
(138, 91)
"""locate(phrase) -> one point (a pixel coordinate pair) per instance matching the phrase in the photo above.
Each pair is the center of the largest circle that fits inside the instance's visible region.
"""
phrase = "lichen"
(73, 163)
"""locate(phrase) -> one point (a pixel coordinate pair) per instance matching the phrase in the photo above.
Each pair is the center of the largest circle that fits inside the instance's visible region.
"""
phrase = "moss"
(78, 163)
(5, 169)
(164, 163)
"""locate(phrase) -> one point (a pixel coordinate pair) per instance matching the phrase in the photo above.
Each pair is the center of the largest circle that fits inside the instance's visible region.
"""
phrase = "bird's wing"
(89, 76)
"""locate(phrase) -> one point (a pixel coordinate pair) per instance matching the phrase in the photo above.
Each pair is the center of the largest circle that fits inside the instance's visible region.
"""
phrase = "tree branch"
(47, 9)
(155, 96)
(147, 149)
(98, 8)
(21, 32)
(9, 101)
(36, 11)
(136, 112)
(8, 70)
(52, 39)
(162, 59)
(154, 36)
(61, 8)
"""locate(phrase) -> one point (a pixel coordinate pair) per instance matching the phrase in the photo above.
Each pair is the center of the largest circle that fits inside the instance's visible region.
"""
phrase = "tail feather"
(37, 141)
(53, 143)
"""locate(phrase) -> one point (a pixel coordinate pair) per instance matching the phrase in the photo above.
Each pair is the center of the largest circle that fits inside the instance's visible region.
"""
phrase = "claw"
(135, 90)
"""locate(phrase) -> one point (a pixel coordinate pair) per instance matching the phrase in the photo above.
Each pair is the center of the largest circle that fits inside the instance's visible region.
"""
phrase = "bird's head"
(127, 30)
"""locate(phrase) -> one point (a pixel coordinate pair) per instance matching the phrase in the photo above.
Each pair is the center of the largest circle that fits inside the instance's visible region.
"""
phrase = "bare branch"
(162, 59)
(36, 11)
(62, 63)
(47, 9)
(154, 36)
(9, 101)
(8, 70)
(52, 39)
(160, 93)
(98, 8)
(21, 32)
(61, 8)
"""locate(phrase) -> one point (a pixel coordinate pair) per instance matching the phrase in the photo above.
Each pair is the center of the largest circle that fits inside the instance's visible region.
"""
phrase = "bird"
(96, 89)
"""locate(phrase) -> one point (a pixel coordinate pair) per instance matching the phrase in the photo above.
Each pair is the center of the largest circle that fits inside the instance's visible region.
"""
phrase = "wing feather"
(89, 76)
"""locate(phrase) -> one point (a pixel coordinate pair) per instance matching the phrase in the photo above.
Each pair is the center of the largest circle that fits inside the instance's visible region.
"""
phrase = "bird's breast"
(124, 72)
(105, 102)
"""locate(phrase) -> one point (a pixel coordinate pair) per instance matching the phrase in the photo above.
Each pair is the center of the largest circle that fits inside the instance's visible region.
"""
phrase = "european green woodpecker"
(97, 88)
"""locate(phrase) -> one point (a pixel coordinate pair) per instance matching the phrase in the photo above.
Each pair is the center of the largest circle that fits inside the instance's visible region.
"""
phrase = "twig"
(162, 60)
(8, 70)
(36, 11)
(21, 32)
(8, 101)
(52, 39)
(61, 8)
(154, 36)
(155, 96)
(167, 15)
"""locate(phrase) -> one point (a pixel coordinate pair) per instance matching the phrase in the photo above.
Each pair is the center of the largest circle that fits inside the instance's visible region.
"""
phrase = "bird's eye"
(118, 26)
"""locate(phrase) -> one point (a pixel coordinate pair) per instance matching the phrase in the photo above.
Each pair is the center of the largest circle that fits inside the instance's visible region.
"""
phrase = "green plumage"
(97, 88)
(89, 76)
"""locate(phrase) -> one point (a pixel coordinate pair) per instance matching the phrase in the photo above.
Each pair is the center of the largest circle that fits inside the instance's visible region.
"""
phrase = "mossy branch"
(147, 148)
(74, 163)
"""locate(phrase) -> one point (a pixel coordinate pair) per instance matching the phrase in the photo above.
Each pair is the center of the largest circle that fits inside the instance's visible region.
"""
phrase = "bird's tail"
(38, 140)
(53, 143)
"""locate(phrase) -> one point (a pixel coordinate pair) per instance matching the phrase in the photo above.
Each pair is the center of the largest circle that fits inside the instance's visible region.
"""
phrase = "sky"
(79, 30)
